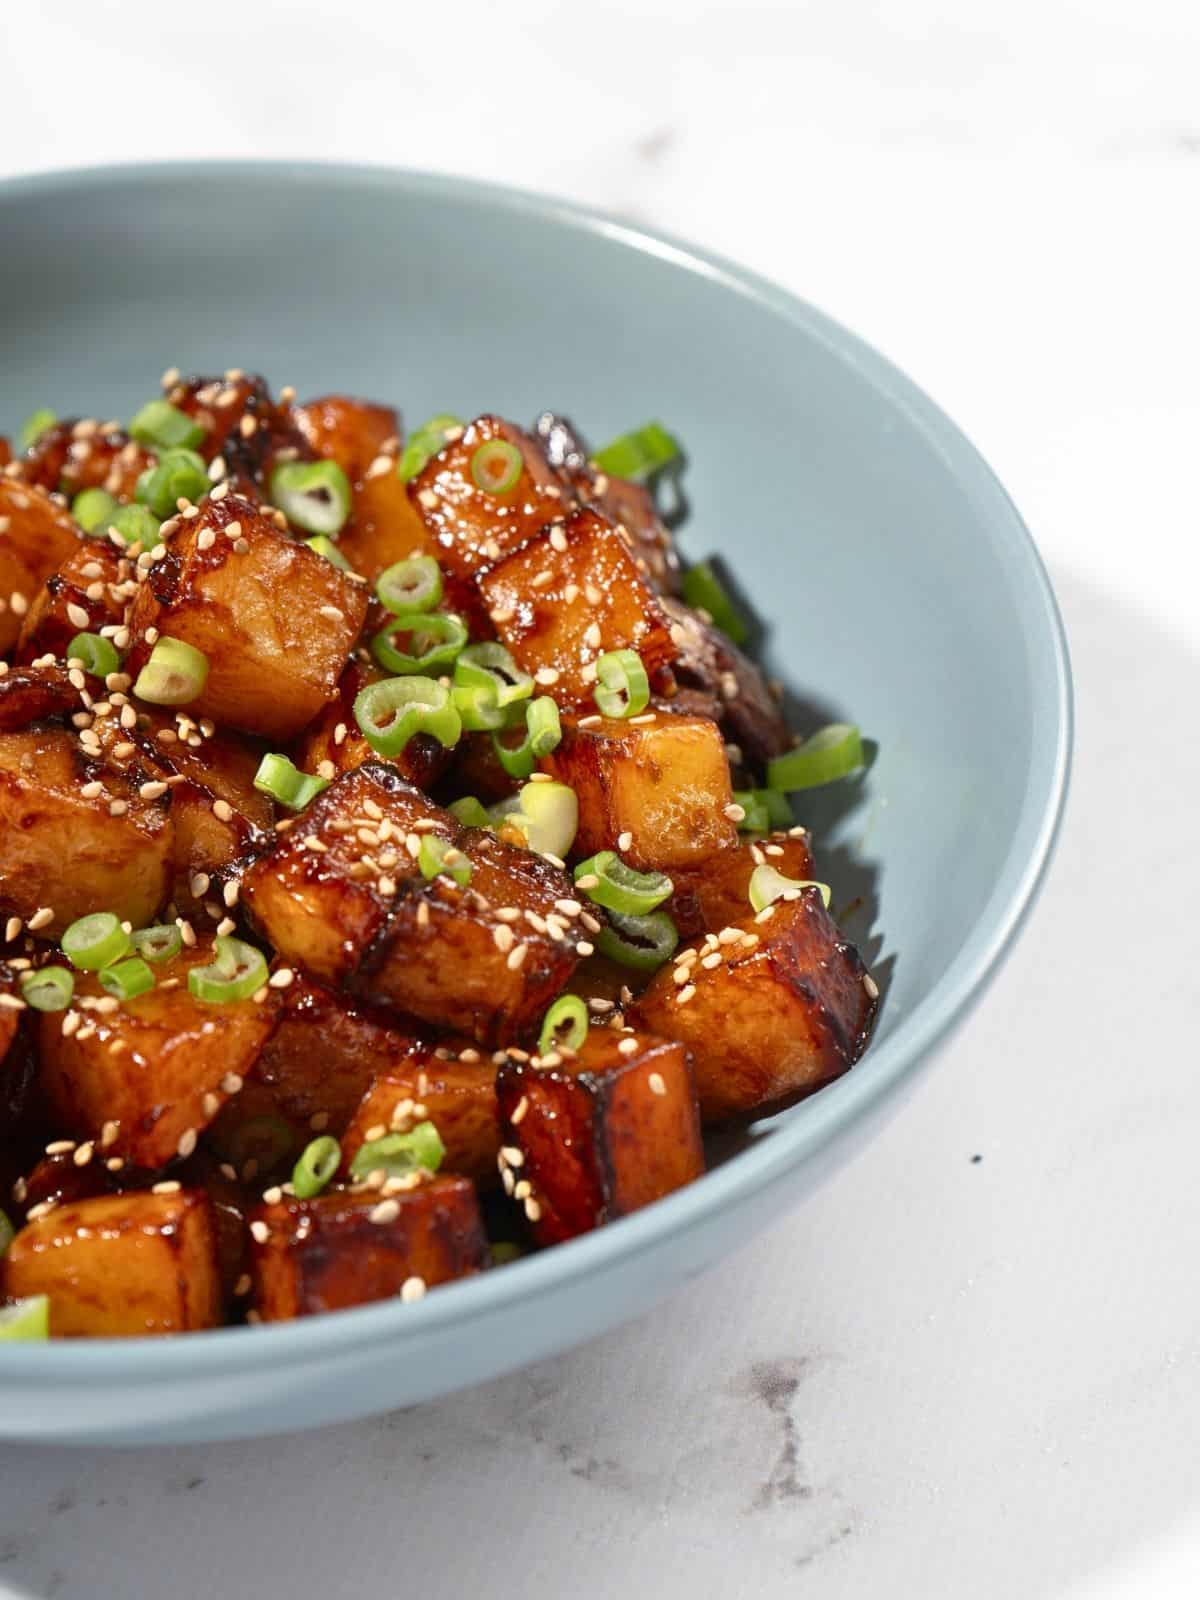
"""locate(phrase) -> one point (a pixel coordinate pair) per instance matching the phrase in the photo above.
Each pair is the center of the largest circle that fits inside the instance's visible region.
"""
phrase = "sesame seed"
(115, 1164)
(427, 498)
(532, 1210)
(70, 1025)
(412, 1289)
(77, 615)
(12, 928)
(243, 1285)
(657, 1085)
(210, 1104)
(624, 840)
(40, 918)
(187, 1142)
(84, 1154)
(385, 1211)
(231, 1083)
(547, 675)
(686, 994)
(167, 1186)
(735, 813)
(513, 1155)
(592, 636)
(592, 721)
(222, 810)
(870, 986)
(592, 595)
(151, 791)
(628, 1047)
(519, 1110)
(199, 884)
(42, 1210)
(516, 957)
(584, 948)
(541, 580)
(60, 1147)
(333, 613)
(558, 539)
(571, 593)
(273, 1195)
(504, 938)
(259, 1231)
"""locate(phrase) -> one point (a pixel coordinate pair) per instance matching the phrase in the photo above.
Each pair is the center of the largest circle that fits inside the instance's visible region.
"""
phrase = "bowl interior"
(893, 581)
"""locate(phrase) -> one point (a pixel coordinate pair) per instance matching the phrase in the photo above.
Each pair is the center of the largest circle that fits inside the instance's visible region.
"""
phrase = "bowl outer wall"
(897, 580)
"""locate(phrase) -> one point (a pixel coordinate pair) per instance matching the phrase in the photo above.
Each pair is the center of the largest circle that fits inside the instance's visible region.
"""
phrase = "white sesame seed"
(686, 994)
(558, 539)
(547, 676)
(532, 1210)
(167, 1186)
(259, 1231)
(412, 1289)
(624, 840)
(504, 938)
(735, 813)
(12, 928)
(187, 1142)
(40, 918)
(516, 957)
(222, 810)
(657, 1085)
(584, 948)
(84, 1154)
(385, 1211)
(60, 1147)
(628, 1047)
(870, 986)
(231, 1083)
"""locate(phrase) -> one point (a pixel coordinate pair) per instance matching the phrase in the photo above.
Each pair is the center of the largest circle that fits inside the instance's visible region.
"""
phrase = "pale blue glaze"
(896, 580)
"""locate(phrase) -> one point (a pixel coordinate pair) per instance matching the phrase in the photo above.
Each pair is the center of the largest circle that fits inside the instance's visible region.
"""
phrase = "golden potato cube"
(120, 1264)
(72, 852)
(88, 591)
(567, 597)
(145, 1076)
(351, 432)
(76, 454)
(18, 587)
(36, 536)
(456, 1085)
(770, 1015)
(275, 620)
(595, 1135)
(716, 891)
(662, 786)
(348, 1248)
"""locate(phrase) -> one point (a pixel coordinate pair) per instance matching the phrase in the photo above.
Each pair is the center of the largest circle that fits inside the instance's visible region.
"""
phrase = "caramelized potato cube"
(68, 851)
(275, 620)
(18, 587)
(456, 1085)
(351, 432)
(36, 536)
(145, 1076)
(570, 595)
(325, 1053)
(384, 526)
(68, 602)
(335, 737)
(78, 454)
(346, 1248)
(598, 1134)
(714, 679)
(469, 528)
(34, 694)
(386, 933)
(120, 1264)
(242, 425)
(716, 892)
(665, 783)
(787, 1007)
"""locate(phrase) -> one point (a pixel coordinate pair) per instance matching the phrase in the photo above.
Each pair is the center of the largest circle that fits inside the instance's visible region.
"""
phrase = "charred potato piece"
(335, 741)
(80, 453)
(716, 892)
(33, 694)
(57, 1177)
(469, 528)
(595, 600)
(325, 1054)
(599, 1134)
(243, 426)
(36, 536)
(120, 1264)
(769, 1015)
(87, 592)
(662, 783)
(18, 588)
(351, 432)
(346, 1249)
(72, 848)
(455, 1087)
(142, 1078)
(275, 620)
(714, 679)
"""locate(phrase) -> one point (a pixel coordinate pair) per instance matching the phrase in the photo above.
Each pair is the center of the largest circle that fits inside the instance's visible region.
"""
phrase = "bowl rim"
(146, 1360)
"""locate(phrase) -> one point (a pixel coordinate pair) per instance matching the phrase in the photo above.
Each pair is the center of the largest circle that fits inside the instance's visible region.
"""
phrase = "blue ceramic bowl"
(896, 584)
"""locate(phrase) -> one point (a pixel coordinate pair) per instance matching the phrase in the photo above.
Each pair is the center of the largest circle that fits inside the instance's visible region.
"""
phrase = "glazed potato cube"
(36, 536)
(348, 1248)
(57, 1177)
(456, 1086)
(242, 425)
(275, 620)
(598, 1134)
(85, 593)
(351, 432)
(80, 453)
(145, 1076)
(341, 896)
(716, 680)
(664, 783)
(716, 892)
(72, 852)
(334, 740)
(33, 694)
(18, 586)
(120, 1264)
(384, 525)
(567, 597)
(469, 528)
(774, 1014)
(325, 1053)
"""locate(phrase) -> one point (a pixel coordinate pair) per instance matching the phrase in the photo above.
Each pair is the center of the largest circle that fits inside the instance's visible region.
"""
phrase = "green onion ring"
(398, 1154)
(161, 426)
(619, 887)
(767, 885)
(564, 1025)
(127, 979)
(496, 467)
(95, 653)
(318, 1162)
(704, 591)
(414, 584)
(174, 675)
(158, 943)
(437, 637)
(439, 857)
(26, 1319)
(622, 687)
(236, 972)
(48, 989)
(389, 713)
(313, 495)
(95, 941)
(284, 782)
(639, 454)
(640, 942)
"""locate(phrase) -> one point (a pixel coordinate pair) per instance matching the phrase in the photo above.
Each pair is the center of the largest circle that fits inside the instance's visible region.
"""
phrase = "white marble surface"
(939, 1377)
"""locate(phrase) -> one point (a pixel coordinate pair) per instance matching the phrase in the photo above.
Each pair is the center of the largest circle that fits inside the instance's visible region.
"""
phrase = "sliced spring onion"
(159, 943)
(831, 753)
(641, 942)
(34, 426)
(480, 709)
(161, 426)
(434, 638)
(95, 941)
(236, 971)
(767, 886)
(489, 665)
(93, 508)
(470, 812)
(566, 1023)
(496, 466)
(48, 989)
(321, 545)
(397, 1154)
(26, 1319)
(174, 675)
(619, 887)
(95, 652)
(313, 495)
(7, 1233)
(390, 712)
(704, 590)
(547, 814)
(438, 856)
(755, 819)
(318, 1162)
(622, 687)
(543, 733)
(424, 444)
(283, 781)
(414, 584)
(178, 475)
(127, 979)
(639, 454)
(134, 525)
